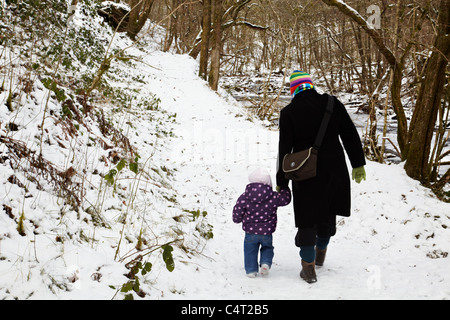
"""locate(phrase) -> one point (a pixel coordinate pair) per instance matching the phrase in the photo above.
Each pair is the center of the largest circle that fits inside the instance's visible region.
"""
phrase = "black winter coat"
(329, 192)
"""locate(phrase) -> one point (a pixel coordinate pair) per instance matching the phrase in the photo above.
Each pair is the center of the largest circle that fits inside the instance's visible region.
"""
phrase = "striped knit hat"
(300, 81)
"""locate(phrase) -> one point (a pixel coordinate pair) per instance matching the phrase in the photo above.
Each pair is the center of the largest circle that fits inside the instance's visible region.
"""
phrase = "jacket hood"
(258, 192)
(260, 175)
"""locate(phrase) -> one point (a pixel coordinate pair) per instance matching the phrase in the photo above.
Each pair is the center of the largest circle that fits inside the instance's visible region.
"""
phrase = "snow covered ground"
(395, 245)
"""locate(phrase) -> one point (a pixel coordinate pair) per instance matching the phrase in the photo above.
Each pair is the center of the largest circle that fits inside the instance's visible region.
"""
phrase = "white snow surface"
(394, 246)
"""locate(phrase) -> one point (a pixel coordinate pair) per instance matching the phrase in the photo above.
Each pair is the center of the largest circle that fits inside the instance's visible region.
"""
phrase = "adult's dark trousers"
(318, 235)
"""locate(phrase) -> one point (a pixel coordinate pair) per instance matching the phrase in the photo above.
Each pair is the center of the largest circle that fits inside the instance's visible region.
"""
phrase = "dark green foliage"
(20, 226)
(167, 257)
(136, 268)
(41, 30)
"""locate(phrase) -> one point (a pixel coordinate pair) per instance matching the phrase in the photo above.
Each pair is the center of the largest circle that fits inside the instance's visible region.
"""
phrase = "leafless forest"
(395, 53)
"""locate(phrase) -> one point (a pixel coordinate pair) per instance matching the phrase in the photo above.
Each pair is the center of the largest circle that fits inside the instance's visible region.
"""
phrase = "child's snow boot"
(264, 269)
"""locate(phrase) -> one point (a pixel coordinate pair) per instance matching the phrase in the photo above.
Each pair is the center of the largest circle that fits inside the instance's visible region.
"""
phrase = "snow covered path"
(394, 246)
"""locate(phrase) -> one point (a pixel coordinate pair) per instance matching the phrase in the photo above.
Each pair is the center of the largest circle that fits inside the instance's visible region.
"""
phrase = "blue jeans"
(253, 244)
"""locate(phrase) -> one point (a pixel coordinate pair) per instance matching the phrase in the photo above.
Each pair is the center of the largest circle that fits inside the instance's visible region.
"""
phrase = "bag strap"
(325, 121)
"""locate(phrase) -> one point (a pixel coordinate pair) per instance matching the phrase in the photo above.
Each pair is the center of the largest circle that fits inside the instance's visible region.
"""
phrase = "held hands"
(278, 188)
(358, 174)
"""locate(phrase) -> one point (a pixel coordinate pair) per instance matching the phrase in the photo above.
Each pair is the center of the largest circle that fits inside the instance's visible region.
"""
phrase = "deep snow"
(394, 246)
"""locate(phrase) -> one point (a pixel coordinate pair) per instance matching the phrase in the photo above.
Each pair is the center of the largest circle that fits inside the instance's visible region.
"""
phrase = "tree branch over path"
(372, 32)
(395, 64)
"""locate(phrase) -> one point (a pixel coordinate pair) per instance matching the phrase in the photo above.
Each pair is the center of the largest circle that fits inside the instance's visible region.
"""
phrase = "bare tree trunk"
(140, 11)
(171, 26)
(364, 73)
(206, 30)
(429, 100)
(217, 45)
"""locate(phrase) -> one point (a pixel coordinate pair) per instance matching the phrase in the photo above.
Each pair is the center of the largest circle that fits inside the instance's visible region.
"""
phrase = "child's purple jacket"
(257, 208)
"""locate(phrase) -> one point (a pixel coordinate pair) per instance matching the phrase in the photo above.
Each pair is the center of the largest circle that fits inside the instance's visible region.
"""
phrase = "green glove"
(358, 174)
(278, 189)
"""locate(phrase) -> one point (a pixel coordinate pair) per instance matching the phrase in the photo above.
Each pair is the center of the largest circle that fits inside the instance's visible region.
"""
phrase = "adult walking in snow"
(317, 201)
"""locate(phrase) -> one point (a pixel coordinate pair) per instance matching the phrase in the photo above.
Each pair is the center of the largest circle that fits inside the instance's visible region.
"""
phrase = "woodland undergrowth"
(79, 144)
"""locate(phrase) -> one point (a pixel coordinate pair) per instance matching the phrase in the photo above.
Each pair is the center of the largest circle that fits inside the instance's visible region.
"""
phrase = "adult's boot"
(308, 272)
(320, 256)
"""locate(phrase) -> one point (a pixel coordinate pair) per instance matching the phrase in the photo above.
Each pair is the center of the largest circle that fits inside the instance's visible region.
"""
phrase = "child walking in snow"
(256, 208)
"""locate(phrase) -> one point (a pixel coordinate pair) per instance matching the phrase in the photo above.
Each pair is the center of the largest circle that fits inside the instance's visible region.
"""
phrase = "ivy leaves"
(167, 257)
(133, 166)
(138, 268)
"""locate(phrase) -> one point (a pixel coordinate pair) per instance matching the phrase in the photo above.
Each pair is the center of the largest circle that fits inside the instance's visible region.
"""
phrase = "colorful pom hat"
(300, 81)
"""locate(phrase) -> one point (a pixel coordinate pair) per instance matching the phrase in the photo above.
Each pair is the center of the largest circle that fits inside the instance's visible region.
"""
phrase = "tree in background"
(206, 30)
(217, 43)
(429, 101)
(140, 12)
(415, 141)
